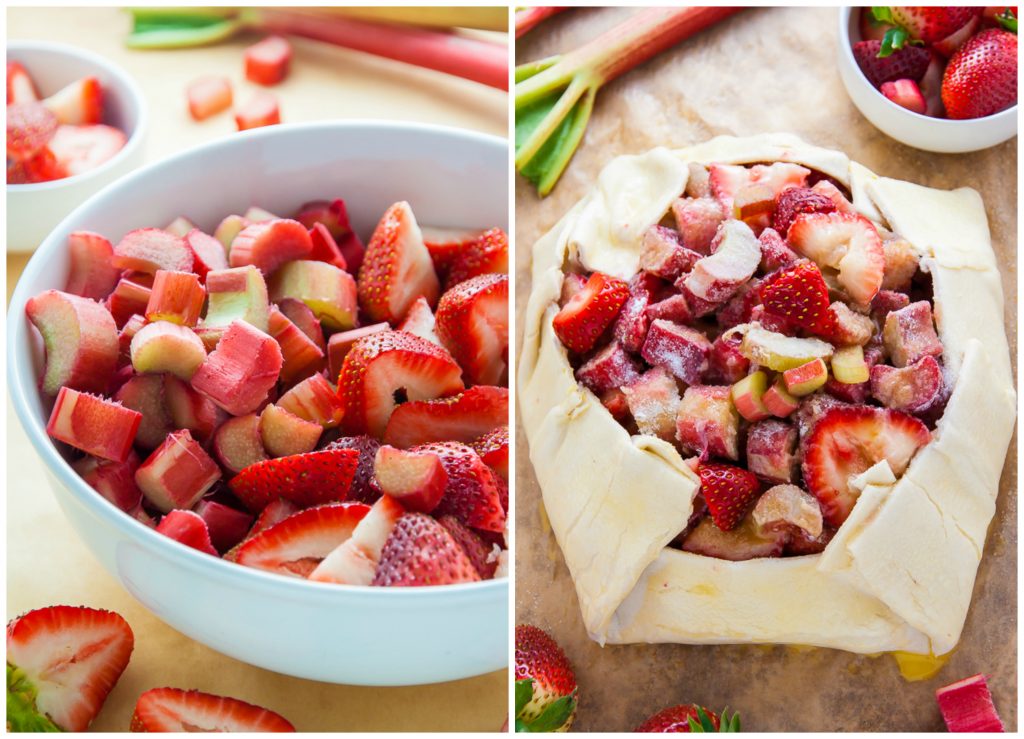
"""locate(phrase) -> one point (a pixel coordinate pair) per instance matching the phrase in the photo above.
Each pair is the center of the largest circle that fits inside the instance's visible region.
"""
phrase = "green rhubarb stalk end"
(178, 28)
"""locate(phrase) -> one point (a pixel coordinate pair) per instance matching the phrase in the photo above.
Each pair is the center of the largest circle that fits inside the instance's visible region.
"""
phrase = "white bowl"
(33, 210)
(920, 131)
(334, 633)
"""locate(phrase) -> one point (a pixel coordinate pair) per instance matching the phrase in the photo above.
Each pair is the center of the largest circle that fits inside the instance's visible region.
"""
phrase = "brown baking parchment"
(764, 70)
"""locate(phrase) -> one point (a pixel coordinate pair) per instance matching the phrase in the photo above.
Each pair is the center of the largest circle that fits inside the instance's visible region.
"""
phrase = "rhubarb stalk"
(528, 18)
(555, 96)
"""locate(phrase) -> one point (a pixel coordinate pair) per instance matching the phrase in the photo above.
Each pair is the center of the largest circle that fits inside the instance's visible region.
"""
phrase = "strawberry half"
(462, 417)
(364, 487)
(30, 127)
(78, 104)
(396, 268)
(296, 545)
(846, 242)
(62, 662)
(543, 668)
(175, 710)
(796, 200)
(478, 551)
(445, 244)
(420, 551)
(590, 311)
(493, 450)
(848, 440)
(384, 364)
(20, 87)
(306, 479)
(79, 149)
(472, 322)
(487, 253)
(472, 495)
(729, 491)
(799, 296)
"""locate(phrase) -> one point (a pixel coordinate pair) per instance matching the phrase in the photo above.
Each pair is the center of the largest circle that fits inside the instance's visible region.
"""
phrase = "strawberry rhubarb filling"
(782, 342)
(276, 394)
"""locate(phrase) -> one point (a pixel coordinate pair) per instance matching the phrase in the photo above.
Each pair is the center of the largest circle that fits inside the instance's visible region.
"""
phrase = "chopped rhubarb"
(334, 216)
(967, 706)
(259, 110)
(177, 474)
(328, 291)
(177, 297)
(302, 357)
(238, 294)
(748, 396)
(909, 334)
(208, 96)
(190, 410)
(167, 347)
(227, 525)
(707, 422)
(771, 450)
(284, 433)
(180, 226)
(325, 248)
(238, 443)
(697, 220)
(267, 62)
(341, 343)
(417, 480)
(612, 367)
(630, 328)
(130, 298)
(269, 244)
(316, 400)
(653, 399)
(207, 253)
(145, 394)
(241, 371)
(115, 481)
(92, 273)
(913, 389)
(228, 229)
(189, 529)
(150, 249)
(305, 319)
(664, 255)
(97, 426)
(681, 350)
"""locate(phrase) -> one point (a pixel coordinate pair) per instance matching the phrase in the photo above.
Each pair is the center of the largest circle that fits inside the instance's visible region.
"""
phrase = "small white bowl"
(33, 210)
(920, 131)
(333, 633)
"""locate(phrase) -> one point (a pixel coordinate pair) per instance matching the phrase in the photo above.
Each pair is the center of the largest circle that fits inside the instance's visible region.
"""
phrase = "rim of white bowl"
(134, 140)
(845, 22)
(214, 567)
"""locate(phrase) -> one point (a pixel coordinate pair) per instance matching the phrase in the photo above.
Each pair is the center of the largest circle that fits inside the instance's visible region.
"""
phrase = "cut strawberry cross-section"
(420, 551)
(387, 363)
(472, 322)
(174, 710)
(486, 253)
(463, 417)
(20, 87)
(472, 495)
(79, 149)
(62, 662)
(304, 479)
(729, 492)
(355, 561)
(30, 126)
(845, 442)
(848, 243)
(589, 312)
(79, 103)
(799, 296)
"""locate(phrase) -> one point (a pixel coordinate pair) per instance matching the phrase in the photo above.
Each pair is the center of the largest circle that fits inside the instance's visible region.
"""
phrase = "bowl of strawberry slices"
(75, 123)
(941, 79)
(268, 380)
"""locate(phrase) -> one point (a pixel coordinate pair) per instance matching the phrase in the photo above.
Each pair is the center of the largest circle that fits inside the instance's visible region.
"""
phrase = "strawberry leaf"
(895, 39)
(883, 14)
(524, 694)
(1008, 20)
(554, 715)
(729, 723)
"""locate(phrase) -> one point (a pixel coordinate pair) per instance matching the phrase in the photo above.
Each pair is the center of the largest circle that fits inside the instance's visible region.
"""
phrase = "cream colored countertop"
(47, 564)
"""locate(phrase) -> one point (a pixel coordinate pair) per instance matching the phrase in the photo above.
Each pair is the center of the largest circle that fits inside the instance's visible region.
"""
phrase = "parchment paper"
(770, 69)
(48, 564)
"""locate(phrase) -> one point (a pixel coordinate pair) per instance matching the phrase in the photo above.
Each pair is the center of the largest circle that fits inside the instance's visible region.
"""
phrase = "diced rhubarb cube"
(664, 255)
(631, 326)
(771, 450)
(284, 433)
(92, 273)
(150, 249)
(901, 262)
(740, 307)
(314, 399)
(748, 396)
(885, 302)
(681, 350)
(674, 308)
(95, 425)
(256, 214)
(912, 389)
(241, 371)
(145, 394)
(754, 205)
(697, 220)
(726, 364)
(124, 337)
(707, 423)
(238, 443)
(697, 183)
(115, 481)
(789, 509)
(849, 327)
(775, 253)
(611, 367)
(267, 62)
(812, 409)
(190, 410)
(325, 248)
(188, 528)
(735, 257)
(129, 298)
(340, 343)
(226, 231)
(778, 400)
(909, 334)
(334, 216)
(177, 297)
(237, 294)
(653, 399)
(967, 707)
(180, 226)
(208, 96)
(177, 474)
(208, 253)
(302, 357)
(328, 291)
(269, 244)
(744, 542)
(167, 347)
(259, 110)
(81, 342)
(806, 378)
(227, 525)
(615, 403)
(416, 479)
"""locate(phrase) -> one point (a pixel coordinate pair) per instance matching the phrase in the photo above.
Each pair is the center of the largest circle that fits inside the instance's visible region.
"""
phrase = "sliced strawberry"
(729, 492)
(478, 551)
(486, 253)
(274, 513)
(306, 479)
(174, 710)
(793, 201)
(845, 442)
(472, 495)
(259, 110)
(30, 127)
(20, 87)
(62, 662)
(267, 62)
(445, 244)
(78, 104)
(419, 320)
(364, 487)
(43, 167)
(189, 529)
(420, 551)
(296, 545)
(472, 322)
(325, 248)
(590, 311)
(462, 417)
(80, 149)
(799, 296)
(493, 450)
(354, 562)
(334, 216)
(389, 362)
(396, 268)
(208, 96)
(848, 243)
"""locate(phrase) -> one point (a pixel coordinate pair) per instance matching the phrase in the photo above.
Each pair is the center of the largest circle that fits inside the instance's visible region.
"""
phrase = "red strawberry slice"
(676, 719)
(472, 322)
(325, 248)
(175, 710)
(20, 88)
(306, 479)
(589, 312)
(296, 545)
(396, 268)
(30, 127)
(799, 296)
(364, 488)
(445, 244)
(463, 417)
(478, 551)
(420, 551)
(910, 62)
(845, 242)
(43, 167)
(981, 78)
(334, 215)
(189, 528)
(274, 513)
(78, 104)
(729, 491)
(487, 253)
(472, 495)
(62, 662)
(79, 149)
(848, 440)
(796, 200)
(384, 364)
(493, 450)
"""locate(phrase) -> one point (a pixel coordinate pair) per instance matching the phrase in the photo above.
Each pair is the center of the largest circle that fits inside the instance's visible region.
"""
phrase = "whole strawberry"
(689, 718)
(925, 24)
(545, 683)
(728, 491)
(981, 78)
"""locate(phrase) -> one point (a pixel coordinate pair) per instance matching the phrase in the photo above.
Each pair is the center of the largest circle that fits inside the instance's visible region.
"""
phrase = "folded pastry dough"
(899, 573)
